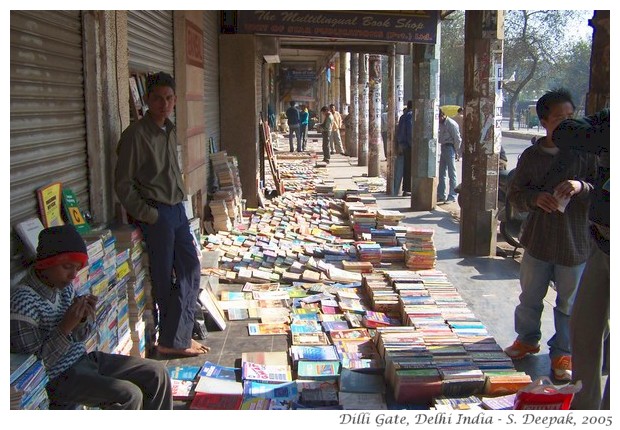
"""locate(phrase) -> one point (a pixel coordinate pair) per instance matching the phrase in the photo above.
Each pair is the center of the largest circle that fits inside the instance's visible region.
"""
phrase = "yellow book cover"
(49, 198)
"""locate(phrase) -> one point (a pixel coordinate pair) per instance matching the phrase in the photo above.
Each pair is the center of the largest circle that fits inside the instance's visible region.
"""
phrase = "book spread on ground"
(266, 329)
(185, 373)
(181, 389)
(213, 370)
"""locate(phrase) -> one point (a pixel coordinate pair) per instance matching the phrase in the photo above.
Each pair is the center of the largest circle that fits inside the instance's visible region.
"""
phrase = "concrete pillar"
(336, 82)
(391, 121)
(375, 144)
(400, 88)
(105, 75)
(598, 94)
(425, 125)
(240, 138)
(326, 88)
(344, 71)
(352, 135)
(362, 146)
(484, 34)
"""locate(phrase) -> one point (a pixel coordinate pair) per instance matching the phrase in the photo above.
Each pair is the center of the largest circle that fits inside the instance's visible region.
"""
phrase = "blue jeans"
(304, 136)
(294, 129)
(535, 276)
(171, 251)
(447, 165)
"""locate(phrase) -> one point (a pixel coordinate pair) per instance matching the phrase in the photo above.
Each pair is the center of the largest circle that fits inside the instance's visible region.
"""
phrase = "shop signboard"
(410, 26)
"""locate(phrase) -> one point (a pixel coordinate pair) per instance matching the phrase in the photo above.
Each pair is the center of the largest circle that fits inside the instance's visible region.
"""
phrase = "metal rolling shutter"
(150, 40)
(211, 31)
(48, 125)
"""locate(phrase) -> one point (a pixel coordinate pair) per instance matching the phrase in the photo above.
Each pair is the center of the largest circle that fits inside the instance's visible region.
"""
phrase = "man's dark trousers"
(170, 246)
(407, 169)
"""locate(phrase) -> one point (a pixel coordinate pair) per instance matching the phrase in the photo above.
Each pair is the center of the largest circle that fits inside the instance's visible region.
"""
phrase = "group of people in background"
(450, 152)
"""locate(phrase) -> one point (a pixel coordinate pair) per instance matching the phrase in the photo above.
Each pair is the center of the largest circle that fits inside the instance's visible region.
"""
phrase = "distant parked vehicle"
(450, 110)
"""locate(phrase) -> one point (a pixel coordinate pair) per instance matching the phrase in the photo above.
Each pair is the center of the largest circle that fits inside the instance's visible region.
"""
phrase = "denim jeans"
(447, 166)
(171, 249)
(294, 129)
(304, 136)
(535, 276)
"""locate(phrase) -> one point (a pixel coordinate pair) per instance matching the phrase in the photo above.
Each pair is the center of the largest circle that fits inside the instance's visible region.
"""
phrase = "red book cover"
(216, 401)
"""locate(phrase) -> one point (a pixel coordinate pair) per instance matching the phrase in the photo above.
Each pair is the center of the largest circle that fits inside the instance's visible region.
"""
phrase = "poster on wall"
(296, 82)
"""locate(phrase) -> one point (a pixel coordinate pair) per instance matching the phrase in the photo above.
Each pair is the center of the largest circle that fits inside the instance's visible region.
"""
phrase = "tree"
(573, 72)
(536, 41)
(452, 63)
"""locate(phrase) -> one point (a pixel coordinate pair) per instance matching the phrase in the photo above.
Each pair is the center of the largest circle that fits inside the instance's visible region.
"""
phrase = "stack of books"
(388, 218)
(219, 212)
(28, 380)
(420, 250)
(132, 271)
(369, 251)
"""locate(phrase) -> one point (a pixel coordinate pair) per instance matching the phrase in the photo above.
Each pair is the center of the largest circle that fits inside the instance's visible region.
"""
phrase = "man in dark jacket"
(405, 138)
(589, 326)
(292, 115)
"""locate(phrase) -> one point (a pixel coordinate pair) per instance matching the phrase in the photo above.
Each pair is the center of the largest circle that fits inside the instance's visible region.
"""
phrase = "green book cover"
(71, 207)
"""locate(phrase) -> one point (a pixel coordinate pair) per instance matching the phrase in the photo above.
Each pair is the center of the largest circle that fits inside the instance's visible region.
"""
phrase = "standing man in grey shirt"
(150, 187)
(450, 153)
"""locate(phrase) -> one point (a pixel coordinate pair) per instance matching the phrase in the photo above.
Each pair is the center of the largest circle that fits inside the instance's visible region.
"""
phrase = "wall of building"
(238, 103)
(189, 69)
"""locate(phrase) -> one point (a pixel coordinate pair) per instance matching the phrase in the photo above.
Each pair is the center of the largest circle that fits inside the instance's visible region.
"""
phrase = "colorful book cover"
(213, 370)
(335, 325)
(183, 373)
(310, 339)
(181, 389)
(266, 329)
(50, 199)
(319, 352)
(207, 401)
(306, 326)
(72, 211)
(284, 391)
(266, 372)
(318, 369)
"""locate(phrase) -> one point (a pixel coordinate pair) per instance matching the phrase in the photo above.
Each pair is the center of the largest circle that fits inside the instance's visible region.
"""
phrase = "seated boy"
(48, 320)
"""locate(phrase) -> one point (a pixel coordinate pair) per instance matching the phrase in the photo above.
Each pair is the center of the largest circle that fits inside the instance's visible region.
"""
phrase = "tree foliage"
(536, 44)
(542, 48)
(452, 58)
